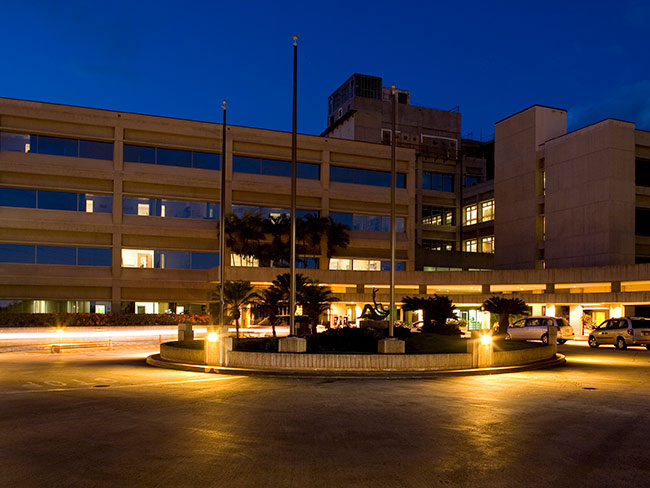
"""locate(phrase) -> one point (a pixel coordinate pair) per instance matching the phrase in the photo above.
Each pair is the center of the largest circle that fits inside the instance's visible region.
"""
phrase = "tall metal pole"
(393, 164)
(222, 220)
(294, 155)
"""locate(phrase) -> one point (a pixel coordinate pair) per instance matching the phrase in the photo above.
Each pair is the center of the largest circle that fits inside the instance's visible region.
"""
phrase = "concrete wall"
(590, 196)
(518, 188)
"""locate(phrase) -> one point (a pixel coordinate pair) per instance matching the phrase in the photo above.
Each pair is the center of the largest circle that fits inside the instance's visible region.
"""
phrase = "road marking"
(161, 383)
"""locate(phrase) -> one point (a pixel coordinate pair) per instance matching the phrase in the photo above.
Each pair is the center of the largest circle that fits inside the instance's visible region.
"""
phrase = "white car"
(536, 329)
(622, 332)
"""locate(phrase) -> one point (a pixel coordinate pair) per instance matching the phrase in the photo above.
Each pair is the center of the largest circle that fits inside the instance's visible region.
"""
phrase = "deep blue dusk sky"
(180, 59)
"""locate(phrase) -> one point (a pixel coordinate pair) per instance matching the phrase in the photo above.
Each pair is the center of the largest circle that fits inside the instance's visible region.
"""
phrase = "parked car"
(622, 332)
(536, 329)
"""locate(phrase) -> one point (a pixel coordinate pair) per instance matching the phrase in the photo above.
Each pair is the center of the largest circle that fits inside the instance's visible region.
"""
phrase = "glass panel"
(175, 208)
(399, 265)
(308, 171)
(99, 256)
(137, 258)
(96, 150)
(57, 200)
(17, 253)
(57, 146)
(365, 177)
(276, 168)
(205, 260)
(99, 203)
(15, 142)
(17, 197)
(304, 262)
(56, 255)
(242, 164)
(172, 259)
(139, 154)
(174, 157)
(206, 160)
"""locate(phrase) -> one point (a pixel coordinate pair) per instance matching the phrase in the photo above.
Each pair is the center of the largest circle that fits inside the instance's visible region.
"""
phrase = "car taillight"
(630, 331)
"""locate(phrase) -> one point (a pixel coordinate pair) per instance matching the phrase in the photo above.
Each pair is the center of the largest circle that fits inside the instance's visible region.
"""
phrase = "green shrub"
(262, 344)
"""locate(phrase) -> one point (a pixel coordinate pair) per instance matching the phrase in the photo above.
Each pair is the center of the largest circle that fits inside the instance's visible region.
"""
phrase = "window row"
(55, 146)
(478, 212)
(273, 167)
(437, 181)
(171, 157)
(346, 264)
(170, 208)
(302, 262)
(486, 245)
(268, 212)
(438, 215)
(367, 222)
(55, 200)
(371, 177)
(37, 254)
(149, 258)
(435, 245)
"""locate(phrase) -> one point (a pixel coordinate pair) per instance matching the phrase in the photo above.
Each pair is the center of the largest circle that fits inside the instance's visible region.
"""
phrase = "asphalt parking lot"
(103, 418)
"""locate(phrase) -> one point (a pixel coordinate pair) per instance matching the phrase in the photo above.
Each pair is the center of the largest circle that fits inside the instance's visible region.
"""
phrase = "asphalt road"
(105, 419)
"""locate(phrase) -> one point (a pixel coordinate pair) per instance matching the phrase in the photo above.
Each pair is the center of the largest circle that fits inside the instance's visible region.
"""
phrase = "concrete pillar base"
(292, 344)
(391, 346)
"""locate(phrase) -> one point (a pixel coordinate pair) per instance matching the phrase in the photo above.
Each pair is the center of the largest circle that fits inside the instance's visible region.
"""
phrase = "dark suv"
(622, 332)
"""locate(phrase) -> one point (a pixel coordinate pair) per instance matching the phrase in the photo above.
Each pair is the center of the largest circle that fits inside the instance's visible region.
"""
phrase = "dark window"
(274, 167)
(267, 212)
(206, 160)
(139, 154)
(94, 256)
(205, 260)
(471, 181)
(642, 221)
(365, 177)
(170, 208)
(172, 259)
(57, 146)
(304, 262)
(643, 172)
(15, 142)
(101, 203)
(399, 266)
(434, 245)
(174, 157)
(57, 200)
(96, 150)
(17, 253)
(438, 215)
(56, 255)
(437, 181)
(17, 197)
(368, 222)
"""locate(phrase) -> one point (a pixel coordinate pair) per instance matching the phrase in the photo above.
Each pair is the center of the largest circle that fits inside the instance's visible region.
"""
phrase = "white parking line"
(112, 387)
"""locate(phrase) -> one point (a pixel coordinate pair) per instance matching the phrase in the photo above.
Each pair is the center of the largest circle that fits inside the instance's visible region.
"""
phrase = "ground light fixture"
(486, 339)
(213, 337)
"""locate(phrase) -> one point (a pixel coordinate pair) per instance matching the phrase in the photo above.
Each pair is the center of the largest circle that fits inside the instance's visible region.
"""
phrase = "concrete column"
(185, 332)
(422, 289)
(391, 346)
(361, 289)
(116, 244)
(616, 286)
(482, 354)
(575, 319)
(217, 346)
(537, 309)
(485, 289)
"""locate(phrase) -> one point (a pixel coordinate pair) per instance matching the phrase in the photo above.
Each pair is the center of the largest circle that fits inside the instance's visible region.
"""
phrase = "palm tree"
(237, 294)
(244, 235)
(504, 307)
(435, 312)
(268, 303)
(277, 252)
(310, 231)
(316, 300)
(337, 237)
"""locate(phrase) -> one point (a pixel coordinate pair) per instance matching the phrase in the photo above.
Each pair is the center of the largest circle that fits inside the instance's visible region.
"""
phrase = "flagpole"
(393, 164)
(222, 220)
(292, 301)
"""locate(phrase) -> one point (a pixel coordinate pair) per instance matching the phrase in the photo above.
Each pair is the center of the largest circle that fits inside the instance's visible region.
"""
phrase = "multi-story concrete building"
(451, 231)
(109, 211)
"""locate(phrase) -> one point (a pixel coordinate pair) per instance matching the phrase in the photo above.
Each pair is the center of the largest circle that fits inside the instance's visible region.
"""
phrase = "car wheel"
(545, 339)
(561, 341)
(592, 342)
(620, 343)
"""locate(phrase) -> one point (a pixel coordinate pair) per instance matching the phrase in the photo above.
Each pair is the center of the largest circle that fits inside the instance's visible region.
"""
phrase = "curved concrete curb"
(157, 361)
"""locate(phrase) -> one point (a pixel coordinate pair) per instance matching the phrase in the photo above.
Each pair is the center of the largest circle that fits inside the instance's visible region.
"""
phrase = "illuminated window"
(89, 206)
(470, 215)
(487, 244)
(340, 264)
(437, 215)
(470, 245)
(245, 261)
(487, 210)
(143, 209)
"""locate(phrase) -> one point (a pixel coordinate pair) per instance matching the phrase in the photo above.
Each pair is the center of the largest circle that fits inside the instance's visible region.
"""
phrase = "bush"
(346, 339)
(261, 344)
(98, 320)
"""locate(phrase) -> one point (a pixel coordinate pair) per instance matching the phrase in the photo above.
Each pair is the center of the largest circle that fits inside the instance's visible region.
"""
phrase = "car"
(536, 329)
(622, 332)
